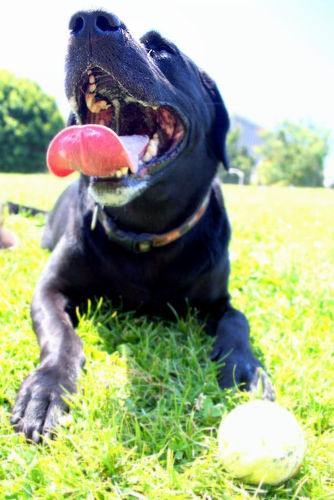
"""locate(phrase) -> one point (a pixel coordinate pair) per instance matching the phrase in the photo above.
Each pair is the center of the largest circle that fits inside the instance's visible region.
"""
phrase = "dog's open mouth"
(119, 138)
(101, 100)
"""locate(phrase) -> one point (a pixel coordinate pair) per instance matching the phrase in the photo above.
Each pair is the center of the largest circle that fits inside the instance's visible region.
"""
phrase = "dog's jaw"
(118, 196)
(100, 99)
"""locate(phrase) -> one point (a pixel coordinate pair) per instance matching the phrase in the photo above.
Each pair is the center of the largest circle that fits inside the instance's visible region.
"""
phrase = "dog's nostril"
(77, 24)
(97, 22)
(107, 22)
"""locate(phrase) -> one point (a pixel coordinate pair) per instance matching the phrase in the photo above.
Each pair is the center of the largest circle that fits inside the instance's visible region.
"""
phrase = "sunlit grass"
(144, 424)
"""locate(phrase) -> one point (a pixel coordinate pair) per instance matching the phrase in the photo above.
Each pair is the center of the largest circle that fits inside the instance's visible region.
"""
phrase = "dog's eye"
(162, 50)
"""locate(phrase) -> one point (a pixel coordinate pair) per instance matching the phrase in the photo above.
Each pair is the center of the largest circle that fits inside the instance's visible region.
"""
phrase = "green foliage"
(238, 157)
(293, 155)
(28, 121)
(145, 422)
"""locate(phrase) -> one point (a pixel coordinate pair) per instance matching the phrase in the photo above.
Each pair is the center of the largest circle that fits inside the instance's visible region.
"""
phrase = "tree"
(293, 154)
(238, 155)
(28, 121)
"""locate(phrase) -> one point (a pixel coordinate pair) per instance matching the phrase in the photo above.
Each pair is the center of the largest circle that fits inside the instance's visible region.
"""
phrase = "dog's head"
(146, 88)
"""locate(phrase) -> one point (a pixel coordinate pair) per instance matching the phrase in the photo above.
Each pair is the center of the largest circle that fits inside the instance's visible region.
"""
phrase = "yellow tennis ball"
(261, 442)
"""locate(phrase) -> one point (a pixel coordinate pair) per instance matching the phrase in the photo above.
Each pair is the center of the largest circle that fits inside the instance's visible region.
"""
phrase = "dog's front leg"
(240, 367)
(40, 400)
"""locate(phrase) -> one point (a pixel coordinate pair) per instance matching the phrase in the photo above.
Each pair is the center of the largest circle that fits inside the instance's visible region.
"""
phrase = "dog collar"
(144, 242)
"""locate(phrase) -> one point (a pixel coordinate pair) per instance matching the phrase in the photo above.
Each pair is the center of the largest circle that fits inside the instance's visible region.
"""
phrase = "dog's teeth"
(100, 105)
(95, 106)
(122, 172)
(147, 156)
(152, 148)
(90, 100)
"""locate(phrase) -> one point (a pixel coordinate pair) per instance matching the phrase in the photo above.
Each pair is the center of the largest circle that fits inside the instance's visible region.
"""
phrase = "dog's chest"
(152, 279)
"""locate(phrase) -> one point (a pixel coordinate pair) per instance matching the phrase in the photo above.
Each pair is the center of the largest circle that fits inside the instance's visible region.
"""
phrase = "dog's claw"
(261, 386)
(39, 406)
(243, 370)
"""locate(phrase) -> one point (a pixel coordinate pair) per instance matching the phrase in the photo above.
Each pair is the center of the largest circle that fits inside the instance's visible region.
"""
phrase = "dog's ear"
(222, 121)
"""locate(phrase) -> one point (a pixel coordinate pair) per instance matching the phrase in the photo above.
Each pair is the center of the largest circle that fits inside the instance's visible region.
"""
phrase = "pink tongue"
(94, 150)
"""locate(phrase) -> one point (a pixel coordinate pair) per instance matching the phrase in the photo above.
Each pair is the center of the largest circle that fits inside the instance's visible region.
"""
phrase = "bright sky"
(273, 60)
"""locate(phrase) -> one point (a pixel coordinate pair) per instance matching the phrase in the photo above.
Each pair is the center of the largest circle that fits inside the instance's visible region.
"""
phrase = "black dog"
(156, 238)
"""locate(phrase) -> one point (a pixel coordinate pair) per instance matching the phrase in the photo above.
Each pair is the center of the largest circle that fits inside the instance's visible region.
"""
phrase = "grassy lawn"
(145, 424)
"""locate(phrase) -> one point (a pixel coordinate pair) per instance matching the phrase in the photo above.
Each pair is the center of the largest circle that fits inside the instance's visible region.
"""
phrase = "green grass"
(137, 429)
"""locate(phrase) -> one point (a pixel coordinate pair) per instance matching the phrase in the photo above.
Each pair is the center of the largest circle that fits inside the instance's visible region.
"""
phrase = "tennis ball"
(261, 443)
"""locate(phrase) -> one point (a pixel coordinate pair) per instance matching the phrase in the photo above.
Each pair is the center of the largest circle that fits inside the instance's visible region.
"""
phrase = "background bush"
(28, 120)
(293, 154)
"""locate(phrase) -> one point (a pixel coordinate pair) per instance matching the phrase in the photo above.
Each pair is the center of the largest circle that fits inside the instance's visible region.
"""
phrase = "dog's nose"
(97, 22)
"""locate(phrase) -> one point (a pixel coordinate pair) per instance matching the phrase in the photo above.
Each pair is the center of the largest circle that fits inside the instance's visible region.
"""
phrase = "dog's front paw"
(243, 370)
(40, 403)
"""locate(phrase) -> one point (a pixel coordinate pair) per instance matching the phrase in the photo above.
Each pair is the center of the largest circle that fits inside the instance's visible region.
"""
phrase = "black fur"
(194, 269)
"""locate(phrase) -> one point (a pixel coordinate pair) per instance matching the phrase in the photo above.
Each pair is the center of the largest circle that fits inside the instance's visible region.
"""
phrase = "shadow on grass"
(172, 398)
